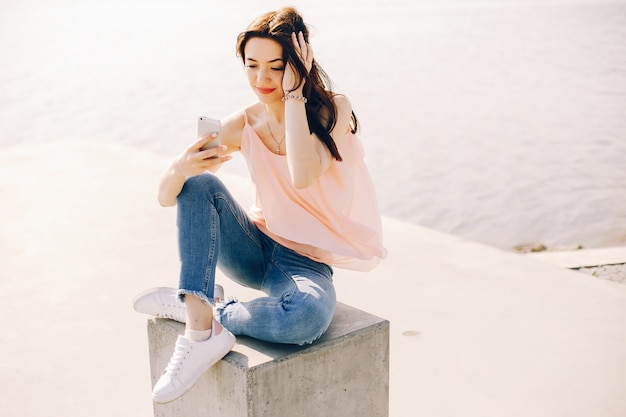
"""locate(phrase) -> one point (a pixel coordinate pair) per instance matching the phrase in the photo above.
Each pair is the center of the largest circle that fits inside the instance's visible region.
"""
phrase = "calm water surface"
(501, 122)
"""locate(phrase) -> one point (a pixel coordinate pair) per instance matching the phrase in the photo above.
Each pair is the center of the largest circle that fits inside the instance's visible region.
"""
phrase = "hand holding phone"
(207, 126)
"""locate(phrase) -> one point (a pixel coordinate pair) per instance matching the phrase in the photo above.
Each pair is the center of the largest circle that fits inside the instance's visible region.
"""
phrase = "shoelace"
(177, 359)
(172, 311)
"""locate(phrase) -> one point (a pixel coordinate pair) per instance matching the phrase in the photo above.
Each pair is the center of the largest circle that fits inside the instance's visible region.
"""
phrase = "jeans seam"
(213, 231)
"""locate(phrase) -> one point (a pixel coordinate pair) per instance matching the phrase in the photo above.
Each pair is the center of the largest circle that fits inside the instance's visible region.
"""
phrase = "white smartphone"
(206, 126)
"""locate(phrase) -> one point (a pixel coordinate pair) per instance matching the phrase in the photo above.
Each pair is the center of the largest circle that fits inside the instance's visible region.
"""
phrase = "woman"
(315, 208)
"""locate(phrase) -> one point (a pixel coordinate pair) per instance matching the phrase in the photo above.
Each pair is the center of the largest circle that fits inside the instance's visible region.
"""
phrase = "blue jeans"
(215, 231)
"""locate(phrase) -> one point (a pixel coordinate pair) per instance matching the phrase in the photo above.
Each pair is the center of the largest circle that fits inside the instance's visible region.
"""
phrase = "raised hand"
(304, 50)
(305, 53)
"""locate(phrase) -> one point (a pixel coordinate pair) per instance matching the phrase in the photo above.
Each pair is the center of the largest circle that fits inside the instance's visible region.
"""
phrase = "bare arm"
(308, 158)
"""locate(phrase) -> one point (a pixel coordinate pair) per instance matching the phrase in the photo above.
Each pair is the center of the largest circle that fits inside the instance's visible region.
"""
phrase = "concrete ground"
(475, 331)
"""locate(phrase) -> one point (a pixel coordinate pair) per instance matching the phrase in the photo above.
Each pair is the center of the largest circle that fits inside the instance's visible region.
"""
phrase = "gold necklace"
(267, 121)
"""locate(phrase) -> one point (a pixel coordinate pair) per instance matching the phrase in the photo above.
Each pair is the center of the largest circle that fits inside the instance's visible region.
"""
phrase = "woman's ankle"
(198, 335)
(199, 314)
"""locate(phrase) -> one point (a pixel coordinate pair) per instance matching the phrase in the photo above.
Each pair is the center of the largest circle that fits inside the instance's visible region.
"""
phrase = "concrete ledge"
(345, 373)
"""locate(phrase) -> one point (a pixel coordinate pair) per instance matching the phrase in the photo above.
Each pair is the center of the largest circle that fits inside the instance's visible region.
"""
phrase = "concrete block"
(343, 374)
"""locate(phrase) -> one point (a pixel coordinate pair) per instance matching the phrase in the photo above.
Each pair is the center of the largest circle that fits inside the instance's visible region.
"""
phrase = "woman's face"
(264, 68)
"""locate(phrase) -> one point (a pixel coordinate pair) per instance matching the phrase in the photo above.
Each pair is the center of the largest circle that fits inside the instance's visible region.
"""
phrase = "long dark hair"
(321, 109)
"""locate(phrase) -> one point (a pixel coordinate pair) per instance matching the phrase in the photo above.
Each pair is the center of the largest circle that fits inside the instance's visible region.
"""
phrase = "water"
(501, 122)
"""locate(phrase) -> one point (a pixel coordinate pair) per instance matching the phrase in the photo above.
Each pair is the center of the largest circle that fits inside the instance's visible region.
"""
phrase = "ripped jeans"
(215, 231)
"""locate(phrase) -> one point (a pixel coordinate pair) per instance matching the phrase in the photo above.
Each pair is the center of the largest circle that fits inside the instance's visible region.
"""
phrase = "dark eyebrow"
(271, 62)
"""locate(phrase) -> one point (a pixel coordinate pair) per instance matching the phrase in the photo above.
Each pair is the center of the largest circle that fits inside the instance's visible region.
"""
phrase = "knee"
(307, 320)
(200, 185)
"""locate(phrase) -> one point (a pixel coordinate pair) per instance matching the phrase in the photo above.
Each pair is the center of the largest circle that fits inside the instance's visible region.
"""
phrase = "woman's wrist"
(298, 91)
(295, 97)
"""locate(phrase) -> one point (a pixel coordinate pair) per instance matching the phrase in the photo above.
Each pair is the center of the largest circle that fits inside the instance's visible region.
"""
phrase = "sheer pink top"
(335, 221)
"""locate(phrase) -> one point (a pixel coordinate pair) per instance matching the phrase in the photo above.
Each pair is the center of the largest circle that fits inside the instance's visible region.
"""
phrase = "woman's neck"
(275, 111)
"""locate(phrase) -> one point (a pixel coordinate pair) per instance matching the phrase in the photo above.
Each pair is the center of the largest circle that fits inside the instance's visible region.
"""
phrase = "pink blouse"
(335, 221)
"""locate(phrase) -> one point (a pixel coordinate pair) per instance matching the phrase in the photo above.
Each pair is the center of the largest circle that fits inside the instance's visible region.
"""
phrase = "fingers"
(198, 152)
(210, 159)
(203, 141)
(296, 44)
(212, 153)
(309, 57)
(214, 161)
(303, 49)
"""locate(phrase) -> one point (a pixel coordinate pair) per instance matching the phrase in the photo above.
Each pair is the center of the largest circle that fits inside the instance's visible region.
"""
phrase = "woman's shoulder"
(342, 101)
(253, 112)
(344, 107)
(343, 117)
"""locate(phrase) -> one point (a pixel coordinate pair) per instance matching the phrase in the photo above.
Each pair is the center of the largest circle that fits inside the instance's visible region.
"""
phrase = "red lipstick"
(265, 90)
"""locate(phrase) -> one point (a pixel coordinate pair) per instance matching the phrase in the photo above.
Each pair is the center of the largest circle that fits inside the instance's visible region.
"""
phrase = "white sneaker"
(189, 361)
(163, 302)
